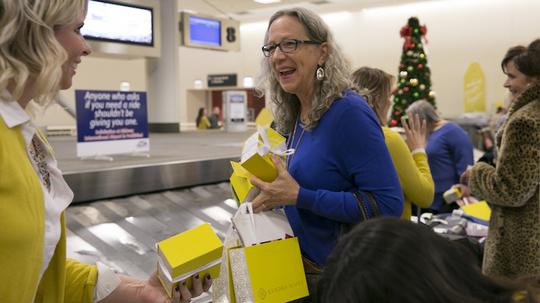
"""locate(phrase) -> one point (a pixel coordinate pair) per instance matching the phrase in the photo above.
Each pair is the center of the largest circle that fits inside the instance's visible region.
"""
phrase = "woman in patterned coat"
(513, 188)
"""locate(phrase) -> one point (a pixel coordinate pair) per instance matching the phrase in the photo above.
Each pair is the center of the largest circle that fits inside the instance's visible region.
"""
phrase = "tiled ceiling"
(249, 10)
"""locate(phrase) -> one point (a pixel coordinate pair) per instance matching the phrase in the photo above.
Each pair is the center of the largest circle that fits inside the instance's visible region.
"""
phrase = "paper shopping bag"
(222, 287)
(269, 272)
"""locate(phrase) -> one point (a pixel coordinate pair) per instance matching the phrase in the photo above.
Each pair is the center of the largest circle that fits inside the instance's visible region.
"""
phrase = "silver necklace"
(291, 140)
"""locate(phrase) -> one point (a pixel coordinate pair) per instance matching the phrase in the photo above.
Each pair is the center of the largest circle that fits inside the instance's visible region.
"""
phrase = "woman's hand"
(282, 191)
(153, 291)
(415, 131)
(464, 178)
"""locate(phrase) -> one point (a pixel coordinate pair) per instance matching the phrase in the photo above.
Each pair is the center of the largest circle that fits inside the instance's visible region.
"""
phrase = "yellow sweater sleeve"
(80, 282)
(413, 170)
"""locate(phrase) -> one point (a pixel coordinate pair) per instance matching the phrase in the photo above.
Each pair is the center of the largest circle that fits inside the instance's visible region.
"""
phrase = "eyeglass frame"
(297, 42)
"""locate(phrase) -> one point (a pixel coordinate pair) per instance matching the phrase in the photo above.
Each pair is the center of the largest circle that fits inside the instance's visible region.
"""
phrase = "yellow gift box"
(197, 250)
(269, 272)
(241, 187)
(274, 138)
(264, 118)
(256, 152)
(479, 211)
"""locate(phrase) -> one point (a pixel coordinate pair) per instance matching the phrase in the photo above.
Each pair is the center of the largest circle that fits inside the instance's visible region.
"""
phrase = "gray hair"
(336, 81)
(426, 111)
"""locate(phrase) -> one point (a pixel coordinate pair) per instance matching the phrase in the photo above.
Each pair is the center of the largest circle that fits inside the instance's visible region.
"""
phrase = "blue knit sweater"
(344, 153)
(450, 151)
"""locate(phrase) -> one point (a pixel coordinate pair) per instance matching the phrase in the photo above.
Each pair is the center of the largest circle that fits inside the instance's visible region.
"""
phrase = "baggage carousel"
(124, 206)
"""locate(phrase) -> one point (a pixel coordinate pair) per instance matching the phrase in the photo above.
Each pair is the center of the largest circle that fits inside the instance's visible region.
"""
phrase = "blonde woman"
(409, 157)
(40, 48)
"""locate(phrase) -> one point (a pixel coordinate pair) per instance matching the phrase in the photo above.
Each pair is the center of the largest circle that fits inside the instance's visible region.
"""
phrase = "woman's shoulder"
(350, 113)
(350, 101)
(394, 141)
(452, 128)
(530, 110)
(392, 135)
(526, 119)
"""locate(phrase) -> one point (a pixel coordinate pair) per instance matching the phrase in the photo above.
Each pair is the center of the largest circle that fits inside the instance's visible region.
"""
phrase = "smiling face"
(69, 36)
(516, 82)
(295, 71)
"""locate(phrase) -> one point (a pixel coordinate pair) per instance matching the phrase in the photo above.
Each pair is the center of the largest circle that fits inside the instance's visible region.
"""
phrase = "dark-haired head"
(521, 65)
(511, 54)
(528, 62)
(392, 260)
(200, 114)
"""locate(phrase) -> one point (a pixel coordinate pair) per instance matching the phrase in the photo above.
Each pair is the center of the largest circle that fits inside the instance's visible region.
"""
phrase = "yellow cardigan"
(22, 217)
(204, 123)
(413, 171)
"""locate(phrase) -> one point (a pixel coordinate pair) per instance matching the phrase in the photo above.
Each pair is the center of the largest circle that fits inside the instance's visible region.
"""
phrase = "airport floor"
(122, 233)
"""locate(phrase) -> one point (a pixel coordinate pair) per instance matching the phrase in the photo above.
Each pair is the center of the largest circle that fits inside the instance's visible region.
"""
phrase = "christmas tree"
(414, 76)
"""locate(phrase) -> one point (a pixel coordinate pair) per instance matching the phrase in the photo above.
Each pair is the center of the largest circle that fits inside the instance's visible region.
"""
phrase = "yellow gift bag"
(264, 262)
(269, 272)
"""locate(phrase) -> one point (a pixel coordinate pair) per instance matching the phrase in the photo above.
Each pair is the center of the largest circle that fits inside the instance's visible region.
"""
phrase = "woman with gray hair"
(341, 172)
(449, 150)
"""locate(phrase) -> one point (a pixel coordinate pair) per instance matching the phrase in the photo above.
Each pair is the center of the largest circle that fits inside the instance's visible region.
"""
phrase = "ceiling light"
(267, 1)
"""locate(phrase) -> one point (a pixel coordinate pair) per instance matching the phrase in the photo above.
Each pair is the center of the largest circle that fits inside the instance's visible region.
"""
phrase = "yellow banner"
(474, 89)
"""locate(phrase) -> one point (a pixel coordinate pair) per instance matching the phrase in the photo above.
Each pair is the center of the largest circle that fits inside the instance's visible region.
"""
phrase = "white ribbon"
(188, 274)
(264, 148)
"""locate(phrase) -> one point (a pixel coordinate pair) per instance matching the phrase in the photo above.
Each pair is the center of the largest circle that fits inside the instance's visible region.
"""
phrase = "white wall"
(459, 32)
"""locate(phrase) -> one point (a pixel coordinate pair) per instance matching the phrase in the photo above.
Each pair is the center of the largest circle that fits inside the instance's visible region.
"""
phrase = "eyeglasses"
(286, 46)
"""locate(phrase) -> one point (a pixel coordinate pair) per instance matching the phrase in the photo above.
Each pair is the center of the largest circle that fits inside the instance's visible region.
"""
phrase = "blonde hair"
(29, 50)
(335, 82)
(375, 85)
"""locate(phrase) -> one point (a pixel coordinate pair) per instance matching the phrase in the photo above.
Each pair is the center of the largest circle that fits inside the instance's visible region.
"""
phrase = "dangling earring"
(320, 73)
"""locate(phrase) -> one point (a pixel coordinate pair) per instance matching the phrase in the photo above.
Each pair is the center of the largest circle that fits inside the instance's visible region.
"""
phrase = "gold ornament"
(414, 82)
(431, 94)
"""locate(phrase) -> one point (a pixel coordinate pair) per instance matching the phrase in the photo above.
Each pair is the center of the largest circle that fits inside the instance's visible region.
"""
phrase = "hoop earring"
(320, 73)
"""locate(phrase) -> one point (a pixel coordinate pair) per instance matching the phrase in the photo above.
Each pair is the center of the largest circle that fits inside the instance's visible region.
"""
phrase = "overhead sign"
(111, 122)
(222, 80)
